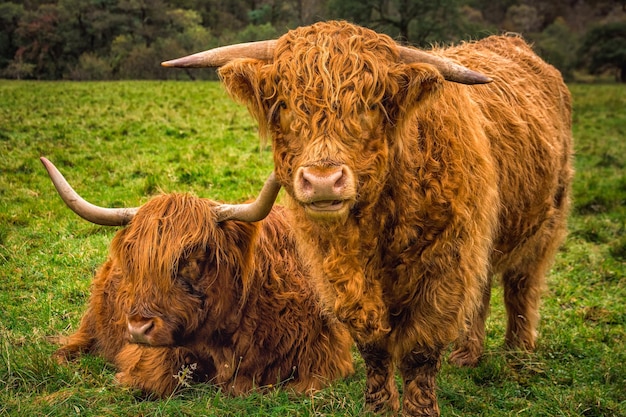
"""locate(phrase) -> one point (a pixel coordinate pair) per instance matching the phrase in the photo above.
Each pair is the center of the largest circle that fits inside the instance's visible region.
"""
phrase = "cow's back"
(526, 114)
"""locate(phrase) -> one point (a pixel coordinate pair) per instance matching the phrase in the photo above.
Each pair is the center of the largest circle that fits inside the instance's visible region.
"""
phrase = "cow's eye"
(284, 118)
(190, 268)
(190, 280)
(276, 111)
(185, 284)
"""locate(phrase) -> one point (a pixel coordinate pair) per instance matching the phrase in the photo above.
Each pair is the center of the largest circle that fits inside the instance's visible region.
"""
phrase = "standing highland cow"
(409, 190)
(185, 296)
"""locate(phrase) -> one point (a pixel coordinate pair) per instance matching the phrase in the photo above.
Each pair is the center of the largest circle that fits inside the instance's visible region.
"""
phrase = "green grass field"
(119, 143)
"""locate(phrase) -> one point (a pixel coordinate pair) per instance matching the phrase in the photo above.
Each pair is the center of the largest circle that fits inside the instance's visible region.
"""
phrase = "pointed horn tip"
(479, 78)
(461, 74)
(175, 63)
(468, 77)
(90, 212)
(46, 163)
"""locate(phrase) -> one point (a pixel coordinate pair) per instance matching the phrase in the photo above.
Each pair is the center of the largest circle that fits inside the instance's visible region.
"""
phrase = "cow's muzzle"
(326, 192)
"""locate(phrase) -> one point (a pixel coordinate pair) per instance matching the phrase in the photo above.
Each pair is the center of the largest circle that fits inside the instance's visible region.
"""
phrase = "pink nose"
(139, 329)
(321, 183)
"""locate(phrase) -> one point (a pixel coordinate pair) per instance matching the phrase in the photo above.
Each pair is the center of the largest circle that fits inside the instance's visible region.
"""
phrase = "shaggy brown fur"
(453, 184)
(228, 303)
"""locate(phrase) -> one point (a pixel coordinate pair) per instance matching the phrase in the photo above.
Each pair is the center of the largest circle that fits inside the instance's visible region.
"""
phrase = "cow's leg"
(523, 285)
(522, 294)
(419, 371)
(469, 347)
(381, 393)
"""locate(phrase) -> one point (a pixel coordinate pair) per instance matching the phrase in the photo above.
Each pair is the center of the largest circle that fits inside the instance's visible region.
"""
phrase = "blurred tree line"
(121, 39)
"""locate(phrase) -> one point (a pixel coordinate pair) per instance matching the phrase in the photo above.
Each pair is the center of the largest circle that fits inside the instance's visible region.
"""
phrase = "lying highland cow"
(185, 296)
(410, 188)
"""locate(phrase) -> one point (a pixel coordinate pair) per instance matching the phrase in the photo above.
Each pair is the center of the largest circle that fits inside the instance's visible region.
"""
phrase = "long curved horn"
(94, 214)
(250, 212)
(262, 50)
(255, 211)
(451, 71)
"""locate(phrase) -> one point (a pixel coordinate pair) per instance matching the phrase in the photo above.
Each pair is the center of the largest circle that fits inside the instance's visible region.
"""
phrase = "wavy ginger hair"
(345, 77)
(337, 80)
(232, 299)
(168, 230)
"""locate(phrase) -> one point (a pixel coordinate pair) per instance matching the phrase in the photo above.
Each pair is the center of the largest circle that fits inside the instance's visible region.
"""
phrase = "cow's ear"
(240, 77)
(415, 85)
(243, 79)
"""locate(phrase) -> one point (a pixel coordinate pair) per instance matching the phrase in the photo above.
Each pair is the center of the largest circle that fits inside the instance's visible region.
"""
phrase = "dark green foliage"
(604, 47)
(124, 39)
(419, 22)
(554, 45)
(10, 16)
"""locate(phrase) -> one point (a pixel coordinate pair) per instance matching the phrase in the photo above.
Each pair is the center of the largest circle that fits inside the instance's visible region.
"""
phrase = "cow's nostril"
(305, 182)
(341, 179)
(139, 329)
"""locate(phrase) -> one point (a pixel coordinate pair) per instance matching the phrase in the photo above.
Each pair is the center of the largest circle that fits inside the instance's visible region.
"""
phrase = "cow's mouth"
(327, 209)
(327, 205)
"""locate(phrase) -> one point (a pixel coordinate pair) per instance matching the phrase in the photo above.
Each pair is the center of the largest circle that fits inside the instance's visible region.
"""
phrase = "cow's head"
(181, 270)
(331, 96)
(178, 265)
